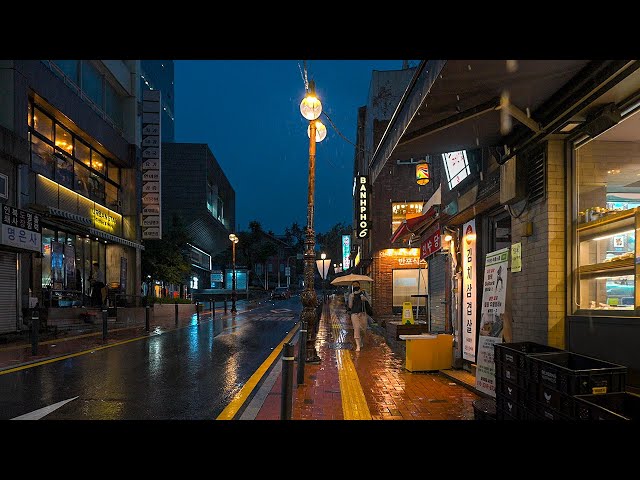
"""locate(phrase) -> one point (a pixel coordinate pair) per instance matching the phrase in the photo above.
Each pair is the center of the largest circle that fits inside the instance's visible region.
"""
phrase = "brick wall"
(539, 289)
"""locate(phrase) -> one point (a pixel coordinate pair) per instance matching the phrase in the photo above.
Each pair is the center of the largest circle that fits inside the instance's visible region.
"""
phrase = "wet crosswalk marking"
(38, 414)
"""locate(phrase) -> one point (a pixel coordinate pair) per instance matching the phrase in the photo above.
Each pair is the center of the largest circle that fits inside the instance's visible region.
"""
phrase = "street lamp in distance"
(234, 239)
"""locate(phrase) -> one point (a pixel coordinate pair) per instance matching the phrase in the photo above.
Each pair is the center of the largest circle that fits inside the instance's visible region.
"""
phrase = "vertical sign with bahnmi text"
(469, 291)
(151, 178)
(362, 206)
(346, 250)
(494, 290)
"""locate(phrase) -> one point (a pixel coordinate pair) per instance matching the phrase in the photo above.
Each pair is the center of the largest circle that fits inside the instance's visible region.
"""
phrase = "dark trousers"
(96, 294)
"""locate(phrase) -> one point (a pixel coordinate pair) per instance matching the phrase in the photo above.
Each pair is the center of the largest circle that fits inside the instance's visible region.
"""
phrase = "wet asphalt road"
(191, 373)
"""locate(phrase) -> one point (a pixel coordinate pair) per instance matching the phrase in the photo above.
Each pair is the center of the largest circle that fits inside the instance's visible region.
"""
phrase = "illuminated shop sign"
(104, 219)
(363, 206)
(346, 250)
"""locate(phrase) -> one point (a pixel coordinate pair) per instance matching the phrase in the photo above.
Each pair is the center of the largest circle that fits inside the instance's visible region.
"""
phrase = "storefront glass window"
(403, 211)
(70, 69)
(96, 188)
(42, 157)
(97, 162)
(114, 173)
(30, 115)
(43, 124)
(407, 282)
(111, 193)
(608, 193)
(48, 236)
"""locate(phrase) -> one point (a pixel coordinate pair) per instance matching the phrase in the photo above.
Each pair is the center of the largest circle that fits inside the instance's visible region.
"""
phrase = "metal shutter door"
(437, 296)
(7, 292)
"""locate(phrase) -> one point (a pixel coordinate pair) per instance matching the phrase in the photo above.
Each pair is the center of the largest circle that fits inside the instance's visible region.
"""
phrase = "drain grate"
(341, 345)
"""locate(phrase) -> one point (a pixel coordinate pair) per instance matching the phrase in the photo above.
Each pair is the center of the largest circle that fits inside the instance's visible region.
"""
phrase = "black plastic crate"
(515, 353)
(510, 373)
(558, 401)
(513, 392)
(509, 407)
(543, 412)
(574, 374)
(608, 406)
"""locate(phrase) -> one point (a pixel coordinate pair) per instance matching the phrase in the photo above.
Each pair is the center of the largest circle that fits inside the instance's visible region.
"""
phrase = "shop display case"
(607, 269)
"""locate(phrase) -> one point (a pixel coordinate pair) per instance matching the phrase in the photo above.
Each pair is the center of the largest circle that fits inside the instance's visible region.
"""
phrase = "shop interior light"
(448, 237)
(470, 237)
(604, 237)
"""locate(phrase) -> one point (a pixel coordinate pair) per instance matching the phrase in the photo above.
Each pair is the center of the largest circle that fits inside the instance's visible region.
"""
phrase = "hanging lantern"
(422, 172)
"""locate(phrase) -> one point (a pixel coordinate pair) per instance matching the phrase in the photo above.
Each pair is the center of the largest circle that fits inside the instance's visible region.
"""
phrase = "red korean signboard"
(431, 244)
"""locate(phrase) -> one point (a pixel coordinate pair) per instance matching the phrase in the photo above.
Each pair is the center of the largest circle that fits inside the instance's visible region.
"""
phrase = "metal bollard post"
(35, 327)
(104, 325)
(176, 314)
(302, 351)
(225, 305)
(287, 381)
(198, 311)
(146, 318)
(213, 309)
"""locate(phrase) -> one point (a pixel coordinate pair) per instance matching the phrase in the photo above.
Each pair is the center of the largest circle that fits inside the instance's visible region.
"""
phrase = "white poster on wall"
(469, 292)
(494, 293)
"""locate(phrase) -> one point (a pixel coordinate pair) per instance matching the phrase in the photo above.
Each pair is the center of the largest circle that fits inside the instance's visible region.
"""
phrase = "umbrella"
(348, 279)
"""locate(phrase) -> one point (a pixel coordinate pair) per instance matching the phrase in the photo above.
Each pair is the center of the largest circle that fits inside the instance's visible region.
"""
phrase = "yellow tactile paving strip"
(354, 403)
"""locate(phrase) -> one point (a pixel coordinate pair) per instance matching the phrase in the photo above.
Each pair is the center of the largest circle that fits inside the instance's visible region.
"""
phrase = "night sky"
(248, 113)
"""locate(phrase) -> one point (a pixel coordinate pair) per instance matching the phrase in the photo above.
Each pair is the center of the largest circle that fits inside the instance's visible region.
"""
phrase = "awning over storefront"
(414, 226)
(113, 238)
(456, 105)
(56, 212)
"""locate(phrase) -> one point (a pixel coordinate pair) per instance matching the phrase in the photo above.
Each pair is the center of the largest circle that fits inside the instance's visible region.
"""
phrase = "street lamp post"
(311, 108)
(234, 239)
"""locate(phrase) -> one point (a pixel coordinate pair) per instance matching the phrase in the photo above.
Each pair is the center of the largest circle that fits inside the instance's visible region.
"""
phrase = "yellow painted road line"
(71, 355)
(354, 403)
(230, 410)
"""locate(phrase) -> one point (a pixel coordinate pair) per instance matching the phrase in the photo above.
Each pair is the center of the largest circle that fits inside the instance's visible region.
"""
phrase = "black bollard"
(198, 311)
(35, 327)
(176, 314)
(213, 309)
(287, 381)
(146, 318)
(225, 305)
(302, 351)
(104, 325)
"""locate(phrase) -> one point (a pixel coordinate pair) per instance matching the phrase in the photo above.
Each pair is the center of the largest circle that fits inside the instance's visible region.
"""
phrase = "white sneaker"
(357, 349)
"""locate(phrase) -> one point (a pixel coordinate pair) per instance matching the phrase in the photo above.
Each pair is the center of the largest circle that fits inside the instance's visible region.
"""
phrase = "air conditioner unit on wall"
(512, 180)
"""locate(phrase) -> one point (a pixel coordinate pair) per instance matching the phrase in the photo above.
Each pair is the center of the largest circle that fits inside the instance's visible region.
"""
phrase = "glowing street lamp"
(234, 239)
(311, 109)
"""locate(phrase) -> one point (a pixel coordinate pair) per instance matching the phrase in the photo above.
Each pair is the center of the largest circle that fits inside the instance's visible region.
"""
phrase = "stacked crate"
(555, 379)
(514, 390)
(608, 406)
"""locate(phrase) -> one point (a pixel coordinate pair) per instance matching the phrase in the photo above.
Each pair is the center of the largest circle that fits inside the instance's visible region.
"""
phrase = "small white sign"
(151, 199)
(151, 141)
(151, 187)
(151, 152)
(151, 233)
(151, 221)
(21, 238)
(151, 129)
(151, 176)
(151, 210)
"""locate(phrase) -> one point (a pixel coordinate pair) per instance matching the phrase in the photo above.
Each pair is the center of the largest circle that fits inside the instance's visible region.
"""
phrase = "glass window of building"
(30, 115)
(70, 69)
(83, 152)
(113, 104)
(42, 157)
(403, 211)
(97, 162)
(111, 195)
(64, 139)
(96, 188)
(82, 179)
(606, 218)
(43, 124)
(92, 83)
(64, 170)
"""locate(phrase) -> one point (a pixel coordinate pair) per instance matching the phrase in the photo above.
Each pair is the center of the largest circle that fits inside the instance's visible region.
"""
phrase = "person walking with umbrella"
(358, 311)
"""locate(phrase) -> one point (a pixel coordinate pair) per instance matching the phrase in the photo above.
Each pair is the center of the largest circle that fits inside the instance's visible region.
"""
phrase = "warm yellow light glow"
(323, 256)
(471, 237)
(448, 238)
(321, 131)
(233, 238)
(311, 107)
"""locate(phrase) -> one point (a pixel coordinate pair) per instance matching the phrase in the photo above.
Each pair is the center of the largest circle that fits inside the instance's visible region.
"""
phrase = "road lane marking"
(236, 403)
(38, 414)
(71, 355)
(354, 403)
